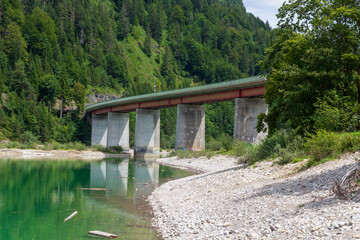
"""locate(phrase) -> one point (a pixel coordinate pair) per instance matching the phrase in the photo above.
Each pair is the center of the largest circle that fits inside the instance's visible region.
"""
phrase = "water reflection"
(146, 178)
(114, 177)
(36, 196)
(110, 175)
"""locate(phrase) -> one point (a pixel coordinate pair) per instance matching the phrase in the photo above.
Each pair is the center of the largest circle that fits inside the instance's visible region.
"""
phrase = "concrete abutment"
(99, 130)
(246, 112)
(118, 130)
(190, 127)
(147, 132)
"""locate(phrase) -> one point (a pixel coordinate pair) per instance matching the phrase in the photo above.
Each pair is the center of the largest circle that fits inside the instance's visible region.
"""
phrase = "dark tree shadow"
(305, 185)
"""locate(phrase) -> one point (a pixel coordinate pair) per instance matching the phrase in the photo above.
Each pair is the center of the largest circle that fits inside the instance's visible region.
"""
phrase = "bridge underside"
(112, 129)
(110, 120)
(198, 99)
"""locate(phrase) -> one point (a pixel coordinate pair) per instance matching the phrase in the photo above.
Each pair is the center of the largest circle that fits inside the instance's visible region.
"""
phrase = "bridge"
(110, 119)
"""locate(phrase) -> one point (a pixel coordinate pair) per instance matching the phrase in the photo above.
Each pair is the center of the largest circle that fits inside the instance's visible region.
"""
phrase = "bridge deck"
(224, 91)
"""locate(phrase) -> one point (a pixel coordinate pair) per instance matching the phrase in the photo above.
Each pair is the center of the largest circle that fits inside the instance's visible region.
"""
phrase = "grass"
(285, 147)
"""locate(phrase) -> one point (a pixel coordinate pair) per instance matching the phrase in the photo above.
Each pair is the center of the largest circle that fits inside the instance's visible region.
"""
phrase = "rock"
(316, 228)
(272, 228)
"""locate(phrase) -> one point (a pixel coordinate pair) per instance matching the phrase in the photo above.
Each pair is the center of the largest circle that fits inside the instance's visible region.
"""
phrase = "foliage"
(324, 144)
(112, 150)
(314, 65)
(282, 145)
(52, 54)
(27, 137)
(241, 148)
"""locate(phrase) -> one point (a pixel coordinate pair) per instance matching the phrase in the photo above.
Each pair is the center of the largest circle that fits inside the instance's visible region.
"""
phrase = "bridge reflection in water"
(140, 176)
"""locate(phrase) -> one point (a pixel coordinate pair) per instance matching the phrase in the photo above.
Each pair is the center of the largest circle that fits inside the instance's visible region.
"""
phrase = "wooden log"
(71, 215)
(102, 234)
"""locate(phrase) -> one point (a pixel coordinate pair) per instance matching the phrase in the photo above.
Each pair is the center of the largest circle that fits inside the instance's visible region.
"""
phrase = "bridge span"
(110, 119)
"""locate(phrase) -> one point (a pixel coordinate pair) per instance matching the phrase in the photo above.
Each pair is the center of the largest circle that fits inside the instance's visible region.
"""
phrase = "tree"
(14, 44)
(49, 89)
(311, 54)
(147, 44)
(79, 92)
(124, 20)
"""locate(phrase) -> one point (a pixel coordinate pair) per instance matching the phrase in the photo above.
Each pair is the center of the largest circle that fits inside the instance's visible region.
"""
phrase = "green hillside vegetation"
(54, 52)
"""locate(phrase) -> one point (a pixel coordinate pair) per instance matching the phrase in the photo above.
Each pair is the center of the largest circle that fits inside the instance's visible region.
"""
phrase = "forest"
(54, 53)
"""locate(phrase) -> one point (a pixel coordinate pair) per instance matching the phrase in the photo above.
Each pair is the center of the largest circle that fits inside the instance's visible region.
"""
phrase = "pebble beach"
(266, 201)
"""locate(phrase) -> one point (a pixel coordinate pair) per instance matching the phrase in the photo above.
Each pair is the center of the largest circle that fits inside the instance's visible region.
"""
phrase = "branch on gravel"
(348, 184)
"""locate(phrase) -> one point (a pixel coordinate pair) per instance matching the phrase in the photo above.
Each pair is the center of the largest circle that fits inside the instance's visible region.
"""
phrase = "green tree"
(310, 55)
(79, 92)
(49, 89)
(147, 44)
(14, 44)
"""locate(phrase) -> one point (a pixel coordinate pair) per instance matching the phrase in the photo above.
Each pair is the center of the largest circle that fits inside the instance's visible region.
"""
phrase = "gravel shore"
(230, 201)
(57, 154)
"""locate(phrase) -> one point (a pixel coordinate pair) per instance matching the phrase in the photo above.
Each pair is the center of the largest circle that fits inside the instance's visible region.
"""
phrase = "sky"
(264, 9)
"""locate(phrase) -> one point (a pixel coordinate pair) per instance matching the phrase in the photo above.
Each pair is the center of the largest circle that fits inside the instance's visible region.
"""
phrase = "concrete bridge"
(110, 119)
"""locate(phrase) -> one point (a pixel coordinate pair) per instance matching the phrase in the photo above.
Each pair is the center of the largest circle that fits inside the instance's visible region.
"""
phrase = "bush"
(27, 137)
(241, 148)
(226, 141)
(322, 144)
(283, 145)
(214, 145)
(79, 146)
(112, 150)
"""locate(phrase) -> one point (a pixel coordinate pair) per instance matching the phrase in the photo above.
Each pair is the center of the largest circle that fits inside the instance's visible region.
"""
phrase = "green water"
(37, 195)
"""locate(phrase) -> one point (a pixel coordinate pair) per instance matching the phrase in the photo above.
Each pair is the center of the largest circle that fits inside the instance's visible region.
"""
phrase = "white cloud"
(264, 9)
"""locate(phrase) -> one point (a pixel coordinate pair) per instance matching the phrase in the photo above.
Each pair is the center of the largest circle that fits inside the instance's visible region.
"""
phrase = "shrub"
(283, 145)
(79, 146)
(112, 150)
(99, 148)
(27, 137)
(240, 148)
(322, 144)
(214, 145)
(226, 141)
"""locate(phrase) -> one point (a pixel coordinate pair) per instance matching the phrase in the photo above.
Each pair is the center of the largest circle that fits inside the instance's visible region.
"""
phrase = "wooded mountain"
(54, 51)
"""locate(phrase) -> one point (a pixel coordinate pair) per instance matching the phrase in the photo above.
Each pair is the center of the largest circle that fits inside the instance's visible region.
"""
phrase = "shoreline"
(229, 201)
(58, 154)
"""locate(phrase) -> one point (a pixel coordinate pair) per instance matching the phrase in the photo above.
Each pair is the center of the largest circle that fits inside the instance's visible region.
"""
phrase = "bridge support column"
(147, 132)
(118, 130)
(99, 130)
(246, 112)
(190, 127)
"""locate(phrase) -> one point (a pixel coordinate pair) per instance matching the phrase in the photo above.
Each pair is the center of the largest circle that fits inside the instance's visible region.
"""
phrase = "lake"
(109, 195)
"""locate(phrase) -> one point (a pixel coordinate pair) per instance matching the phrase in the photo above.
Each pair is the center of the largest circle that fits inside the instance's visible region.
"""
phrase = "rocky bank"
(267, 201)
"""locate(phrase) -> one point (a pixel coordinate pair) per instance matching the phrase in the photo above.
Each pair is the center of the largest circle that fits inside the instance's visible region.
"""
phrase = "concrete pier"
(99, 130)
(118, 130)
(190, 127)
(147, 132)
(246, 112)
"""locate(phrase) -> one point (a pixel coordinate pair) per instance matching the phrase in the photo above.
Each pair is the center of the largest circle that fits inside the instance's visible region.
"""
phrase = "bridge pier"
(190, 127)
(118, 130)
(147, 132)
(246, 112)
(99, 130)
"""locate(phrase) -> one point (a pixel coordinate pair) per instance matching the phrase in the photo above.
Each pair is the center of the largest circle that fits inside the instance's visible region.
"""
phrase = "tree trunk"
(358, 87)
(61, 109)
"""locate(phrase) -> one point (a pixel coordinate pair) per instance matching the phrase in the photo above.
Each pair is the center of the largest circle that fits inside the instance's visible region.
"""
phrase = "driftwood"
(71, 215)
(102, 234)
(349, 183)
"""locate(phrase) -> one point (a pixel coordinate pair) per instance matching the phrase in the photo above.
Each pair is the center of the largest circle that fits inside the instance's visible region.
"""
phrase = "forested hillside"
(55, 52)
